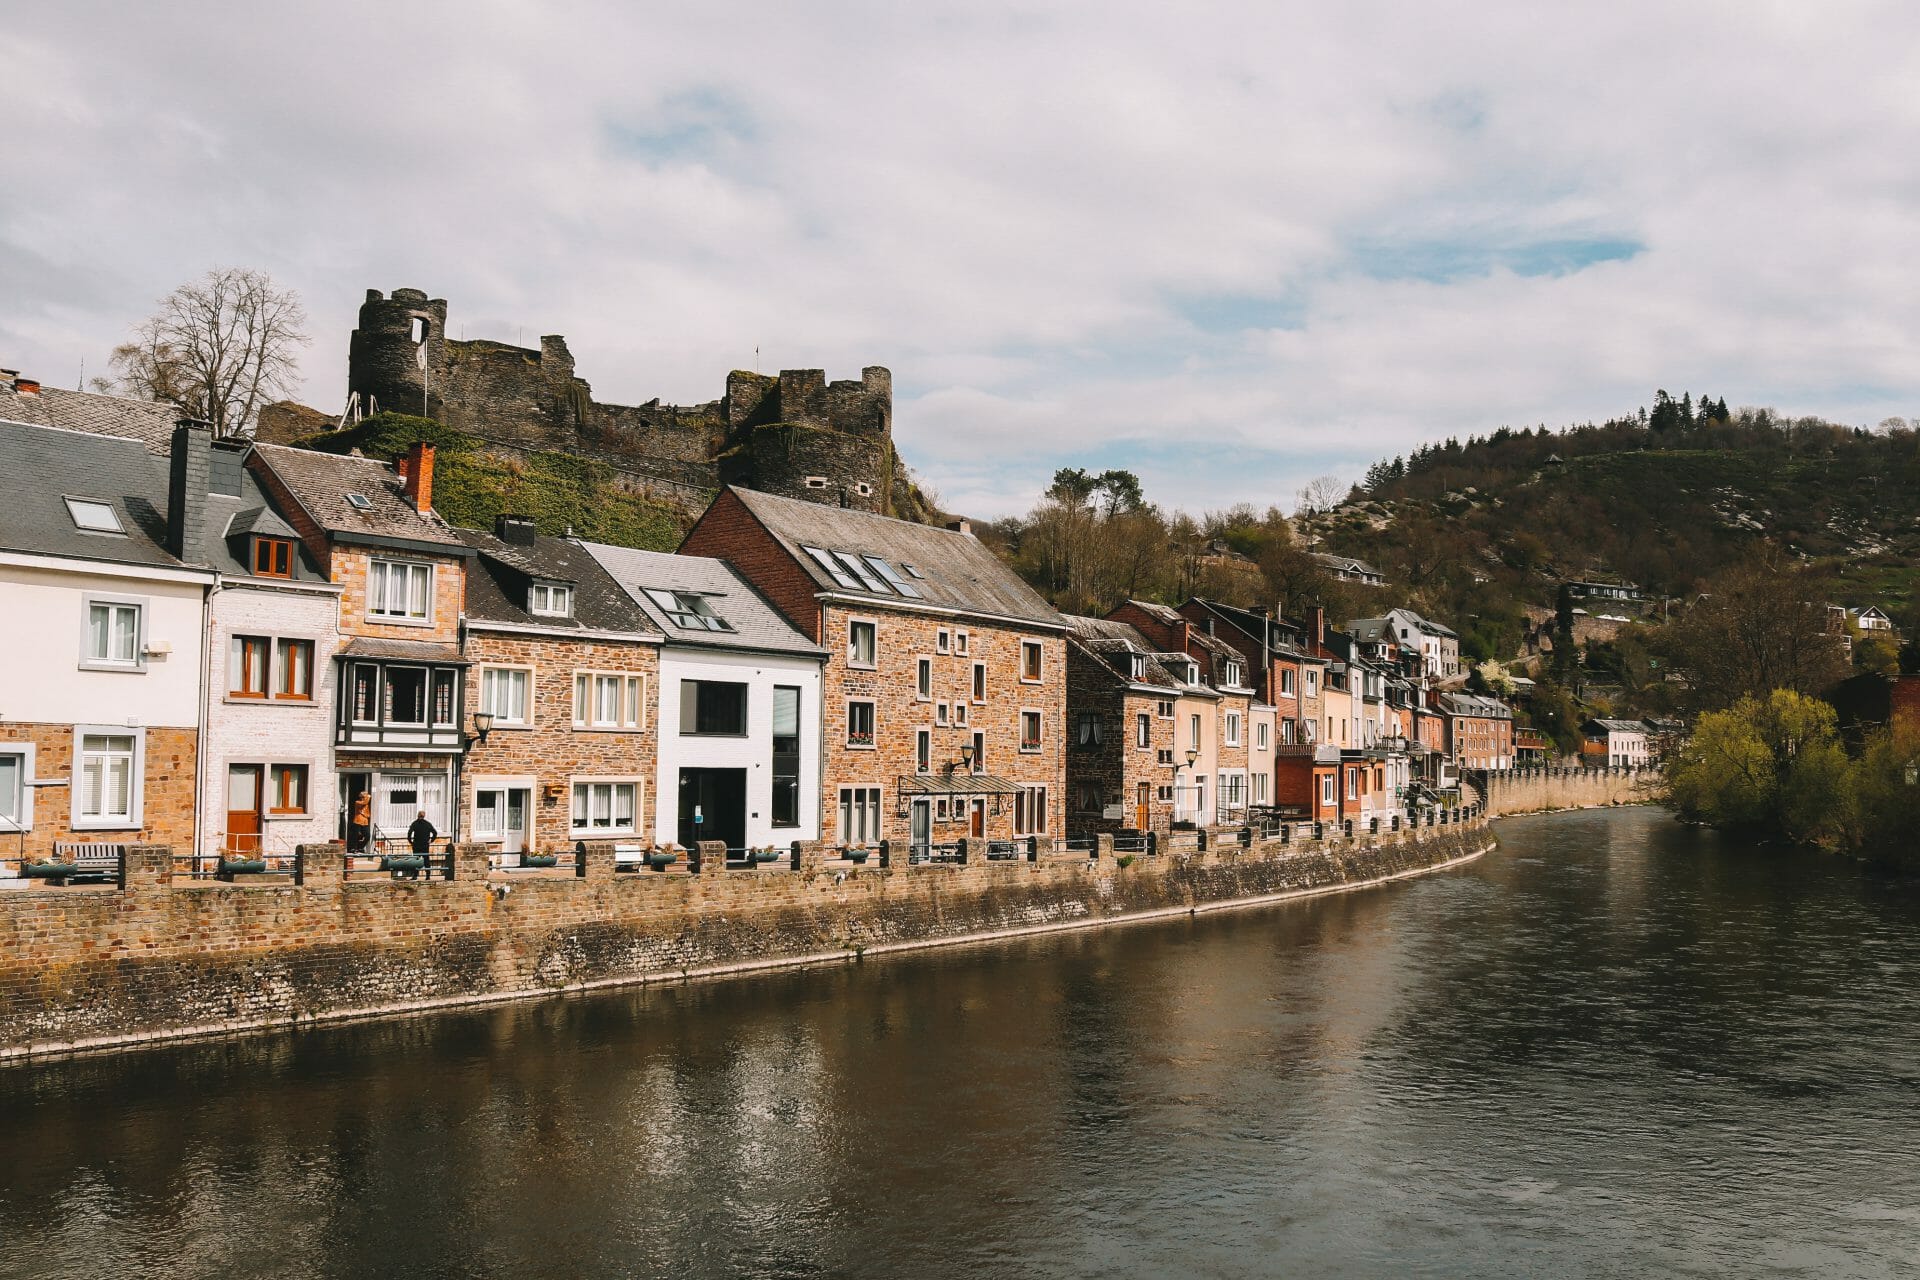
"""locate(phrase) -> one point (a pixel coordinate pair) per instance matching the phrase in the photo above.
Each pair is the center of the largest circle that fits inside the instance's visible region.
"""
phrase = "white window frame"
(1232, 729)
(139, 604)
(923, 751)
(559, 600)
(923, 679)
(977, 689)
(873, 626)
(481, 703)
(23, 752)
(1040, 663)
(962, 643)
(940, 716)
(872, 801)
(1163, 708)
(1040, 738)
(1313, 682)
(136, 779)
(1142, 731)
(1023, 824)
(873, 707)
(586, 701)
(943, 641)
(612, 782)
(961, 717)
(381, 568)
(1286, 682)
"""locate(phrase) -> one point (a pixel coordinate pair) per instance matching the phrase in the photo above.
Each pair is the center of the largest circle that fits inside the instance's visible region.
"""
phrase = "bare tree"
(1320, 494)
(221, 348)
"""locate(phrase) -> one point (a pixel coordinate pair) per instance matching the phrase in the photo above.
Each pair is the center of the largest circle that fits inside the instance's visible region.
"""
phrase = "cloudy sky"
(1230, 247)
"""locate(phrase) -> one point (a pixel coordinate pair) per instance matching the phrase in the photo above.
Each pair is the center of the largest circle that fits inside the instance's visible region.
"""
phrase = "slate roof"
(757, 625)
(403, 651)
(1620, 726)
(1470, 704)
(960, 573)
(497, 585)
(40, 467)
(1254, 626)
(320, 483)
(148, 422)
(1114, 644)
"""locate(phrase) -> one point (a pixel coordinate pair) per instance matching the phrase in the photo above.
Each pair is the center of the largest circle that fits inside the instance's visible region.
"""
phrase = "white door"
(514, 838)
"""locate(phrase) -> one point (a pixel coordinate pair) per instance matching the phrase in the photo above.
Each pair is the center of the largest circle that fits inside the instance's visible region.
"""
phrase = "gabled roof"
(40, 467)
(1472, 704)
(498, 579)
(147, 421)
(320, 483)
(1116, 644)
(1277, 632)
(948, 569)
(754, 623)
(1618, 726)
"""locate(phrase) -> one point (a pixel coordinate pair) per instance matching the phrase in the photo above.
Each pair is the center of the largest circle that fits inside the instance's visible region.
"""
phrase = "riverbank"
(97, 968)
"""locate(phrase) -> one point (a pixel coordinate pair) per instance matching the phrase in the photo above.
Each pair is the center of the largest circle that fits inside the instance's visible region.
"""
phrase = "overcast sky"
(1230, 247)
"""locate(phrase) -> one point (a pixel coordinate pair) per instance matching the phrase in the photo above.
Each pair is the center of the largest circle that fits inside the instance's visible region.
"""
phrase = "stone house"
(1479, 730)
(740, 713)
(564, 678)
(399, 717)
(1217, 788)
(1124, 699)
(1272, 649)
(944, 689)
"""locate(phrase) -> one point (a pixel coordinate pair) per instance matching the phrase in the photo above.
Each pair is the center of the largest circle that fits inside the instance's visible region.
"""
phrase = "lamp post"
(1193, 758)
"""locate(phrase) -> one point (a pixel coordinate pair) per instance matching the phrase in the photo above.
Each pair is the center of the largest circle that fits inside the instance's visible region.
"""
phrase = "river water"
(1612, 1047)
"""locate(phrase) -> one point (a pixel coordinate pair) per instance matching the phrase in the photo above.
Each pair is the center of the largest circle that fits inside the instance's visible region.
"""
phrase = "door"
(977, 819)
(356, 810)
(922, 836)
(243, 810)
(513, 838)
(713, 806)
(1142, 793)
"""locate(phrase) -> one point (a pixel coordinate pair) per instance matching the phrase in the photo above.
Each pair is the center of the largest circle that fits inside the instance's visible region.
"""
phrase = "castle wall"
(1545, 788)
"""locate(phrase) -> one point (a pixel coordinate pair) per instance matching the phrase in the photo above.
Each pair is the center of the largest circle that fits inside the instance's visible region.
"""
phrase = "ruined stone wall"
(84, 967)
(1540, 790)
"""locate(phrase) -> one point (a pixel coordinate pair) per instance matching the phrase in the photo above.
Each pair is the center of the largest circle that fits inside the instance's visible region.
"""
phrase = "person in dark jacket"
(420, 838)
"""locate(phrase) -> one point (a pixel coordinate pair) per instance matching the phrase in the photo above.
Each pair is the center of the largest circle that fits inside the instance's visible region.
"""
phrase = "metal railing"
(71, 863)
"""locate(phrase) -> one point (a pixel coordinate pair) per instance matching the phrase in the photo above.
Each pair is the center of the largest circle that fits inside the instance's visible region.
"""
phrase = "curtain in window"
(10, 789)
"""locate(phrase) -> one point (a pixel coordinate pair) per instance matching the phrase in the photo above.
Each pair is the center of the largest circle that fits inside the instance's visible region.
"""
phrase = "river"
(1611, 1047)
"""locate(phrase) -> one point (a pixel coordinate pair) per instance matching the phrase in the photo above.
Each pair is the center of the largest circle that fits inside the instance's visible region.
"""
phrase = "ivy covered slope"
(472, 485)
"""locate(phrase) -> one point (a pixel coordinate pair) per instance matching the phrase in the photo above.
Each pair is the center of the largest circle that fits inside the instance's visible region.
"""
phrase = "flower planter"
(230, 867)
(661, 861)
(402, 862)
(855, 856)
(539, 860)
(50, 870)
(767, 855)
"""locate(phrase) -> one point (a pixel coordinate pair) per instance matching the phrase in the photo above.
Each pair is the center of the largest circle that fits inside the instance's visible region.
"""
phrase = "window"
(1313, 682)
(1286, 682)
(1142, 729)
(688, 610)
(1030, 812)
(503, 694)
(272, 558)
(943, 641)
(979, 752)
(960, 714)
(94, 515)
(860, 644)
(608, 700)
(107, 790)
(923, 751)
(713, 709)
(979, 682)
(1353, 784)
(786, 755)
(1137, 666)
(406, 695)
(1164, 708)
(1166, 795)
(443, 697)
(1261, 737)
(1233, 728)
(397, 589)
(1234, 674)
(366, 700)
(833, 567)
(16, 795)
(604, 808)
(923, 679)
(550, 600)
(294, 681)
(1259, 792)
(1326, 790)
(1233, 790)
(287, 789)
(940, 713)
(1165, 756)
(859, 815)
(113, 633)
(1030, 661)
(961, 643)
(247, 666)
(940, 808)
(860, 724)
(1086, 730)
(359, 502)
(1193, 732)
(1029, 730)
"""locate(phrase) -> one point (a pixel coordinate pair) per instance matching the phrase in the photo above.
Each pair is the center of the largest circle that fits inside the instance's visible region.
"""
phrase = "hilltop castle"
(795, 434)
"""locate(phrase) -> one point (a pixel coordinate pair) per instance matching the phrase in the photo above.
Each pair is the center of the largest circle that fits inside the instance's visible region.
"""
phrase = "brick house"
(1217, 788)
(1479, 730)
(565, 670)
(1123, 755)
(99, 722)
(944, 690)
(399, 715)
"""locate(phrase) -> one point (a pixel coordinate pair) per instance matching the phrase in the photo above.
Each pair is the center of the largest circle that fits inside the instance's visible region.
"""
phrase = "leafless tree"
(221, 348)
(1320, 494)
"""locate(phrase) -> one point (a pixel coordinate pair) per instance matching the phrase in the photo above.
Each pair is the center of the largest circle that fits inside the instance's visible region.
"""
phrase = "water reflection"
(1614, 1047)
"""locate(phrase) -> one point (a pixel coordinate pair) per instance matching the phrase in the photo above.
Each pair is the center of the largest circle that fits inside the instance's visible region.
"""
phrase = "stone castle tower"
(794, 433)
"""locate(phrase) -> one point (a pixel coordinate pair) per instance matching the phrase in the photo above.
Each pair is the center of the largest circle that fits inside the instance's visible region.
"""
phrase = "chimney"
(416, 475)
(8, 377)
(25, 386)
(1317, 627)
(516, 530)
(189, 472)
(961, 526)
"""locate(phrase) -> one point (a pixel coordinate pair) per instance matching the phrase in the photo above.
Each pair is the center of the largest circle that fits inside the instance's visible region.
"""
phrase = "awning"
(402, 651)
(957, 784)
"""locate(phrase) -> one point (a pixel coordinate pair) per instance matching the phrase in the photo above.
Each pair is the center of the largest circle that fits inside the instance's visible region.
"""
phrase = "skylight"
(94, 516)
(688, 610)
(359, 502)
(913, 570)
(865, 574)
(893, 578)
(833, 568)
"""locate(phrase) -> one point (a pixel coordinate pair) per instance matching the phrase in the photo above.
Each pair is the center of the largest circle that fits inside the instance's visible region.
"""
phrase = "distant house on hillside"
(1872, 618)
(1602, 589)
(1347, 569)
(1615, 743)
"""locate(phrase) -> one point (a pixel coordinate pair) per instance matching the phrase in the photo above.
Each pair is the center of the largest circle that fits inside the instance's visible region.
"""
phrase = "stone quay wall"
(160, 957)
(1549, 787)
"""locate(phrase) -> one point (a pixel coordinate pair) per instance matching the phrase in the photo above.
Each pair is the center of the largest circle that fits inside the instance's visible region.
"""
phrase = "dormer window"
(272, 558)
(1139, 666)
(1233, 674)
(688, 610)
(94, 515)
(550, 600)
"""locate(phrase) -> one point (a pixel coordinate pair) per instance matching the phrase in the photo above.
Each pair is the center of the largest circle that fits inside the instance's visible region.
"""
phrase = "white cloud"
(1062, 227)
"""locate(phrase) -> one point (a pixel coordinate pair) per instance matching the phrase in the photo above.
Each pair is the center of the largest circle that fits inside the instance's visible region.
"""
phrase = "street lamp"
(482, 726)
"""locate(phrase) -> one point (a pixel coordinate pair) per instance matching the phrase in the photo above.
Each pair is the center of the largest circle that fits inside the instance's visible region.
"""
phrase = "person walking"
(360, 822)
(420, 838)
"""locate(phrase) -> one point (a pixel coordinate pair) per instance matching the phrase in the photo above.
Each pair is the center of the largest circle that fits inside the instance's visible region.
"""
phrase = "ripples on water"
(1612, 1048)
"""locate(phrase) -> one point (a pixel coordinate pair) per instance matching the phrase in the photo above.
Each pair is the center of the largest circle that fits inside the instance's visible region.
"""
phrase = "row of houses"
(237, 648)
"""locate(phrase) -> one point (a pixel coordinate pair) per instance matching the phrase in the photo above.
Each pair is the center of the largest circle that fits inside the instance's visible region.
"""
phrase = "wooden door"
(1142, 814)
(977, 819)
(243, 810)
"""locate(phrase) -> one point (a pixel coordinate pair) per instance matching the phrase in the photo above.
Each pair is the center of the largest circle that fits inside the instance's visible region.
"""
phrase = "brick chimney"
(1317, 627)
(961, 526)
(416, 475)
(516, 530)
(189, 474)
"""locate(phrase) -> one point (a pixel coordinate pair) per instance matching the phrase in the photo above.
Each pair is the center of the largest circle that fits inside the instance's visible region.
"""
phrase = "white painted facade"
(248, 733)
(1263, 732)
(753, 751)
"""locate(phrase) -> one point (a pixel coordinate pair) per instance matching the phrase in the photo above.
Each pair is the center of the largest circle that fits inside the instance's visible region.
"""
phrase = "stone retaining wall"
(1546, 788)
(94, 967)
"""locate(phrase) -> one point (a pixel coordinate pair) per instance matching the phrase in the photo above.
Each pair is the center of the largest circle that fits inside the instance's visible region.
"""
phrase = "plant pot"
(50, 870)
(242, 866)
(856, 856)
(539, 860)
(767, 855)
(661, 861)
(401, 862)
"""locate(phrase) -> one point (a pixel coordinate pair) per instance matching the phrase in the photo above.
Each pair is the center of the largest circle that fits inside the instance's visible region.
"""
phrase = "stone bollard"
(1102, 847)
(149, 866)
(320, 866)
(809, 854)
(1373, 826)
(470, 862)
(1202, 839)
(1346, 828)
(596, 863)
(1286, 833)
(709, 857)
(1319, 831)
(972, 849)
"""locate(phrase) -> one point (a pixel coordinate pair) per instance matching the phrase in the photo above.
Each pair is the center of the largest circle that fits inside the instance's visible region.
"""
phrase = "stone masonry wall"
(1543, 789)
(84, 968)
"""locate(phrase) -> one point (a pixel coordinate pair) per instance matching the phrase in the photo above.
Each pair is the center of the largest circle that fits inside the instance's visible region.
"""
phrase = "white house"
(740, 728)
(1622, 742)
(1872, 618)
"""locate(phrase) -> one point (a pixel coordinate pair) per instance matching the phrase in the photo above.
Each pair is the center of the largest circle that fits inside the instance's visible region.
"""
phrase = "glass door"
(513, 838)
(922, 836)
(243, 810)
